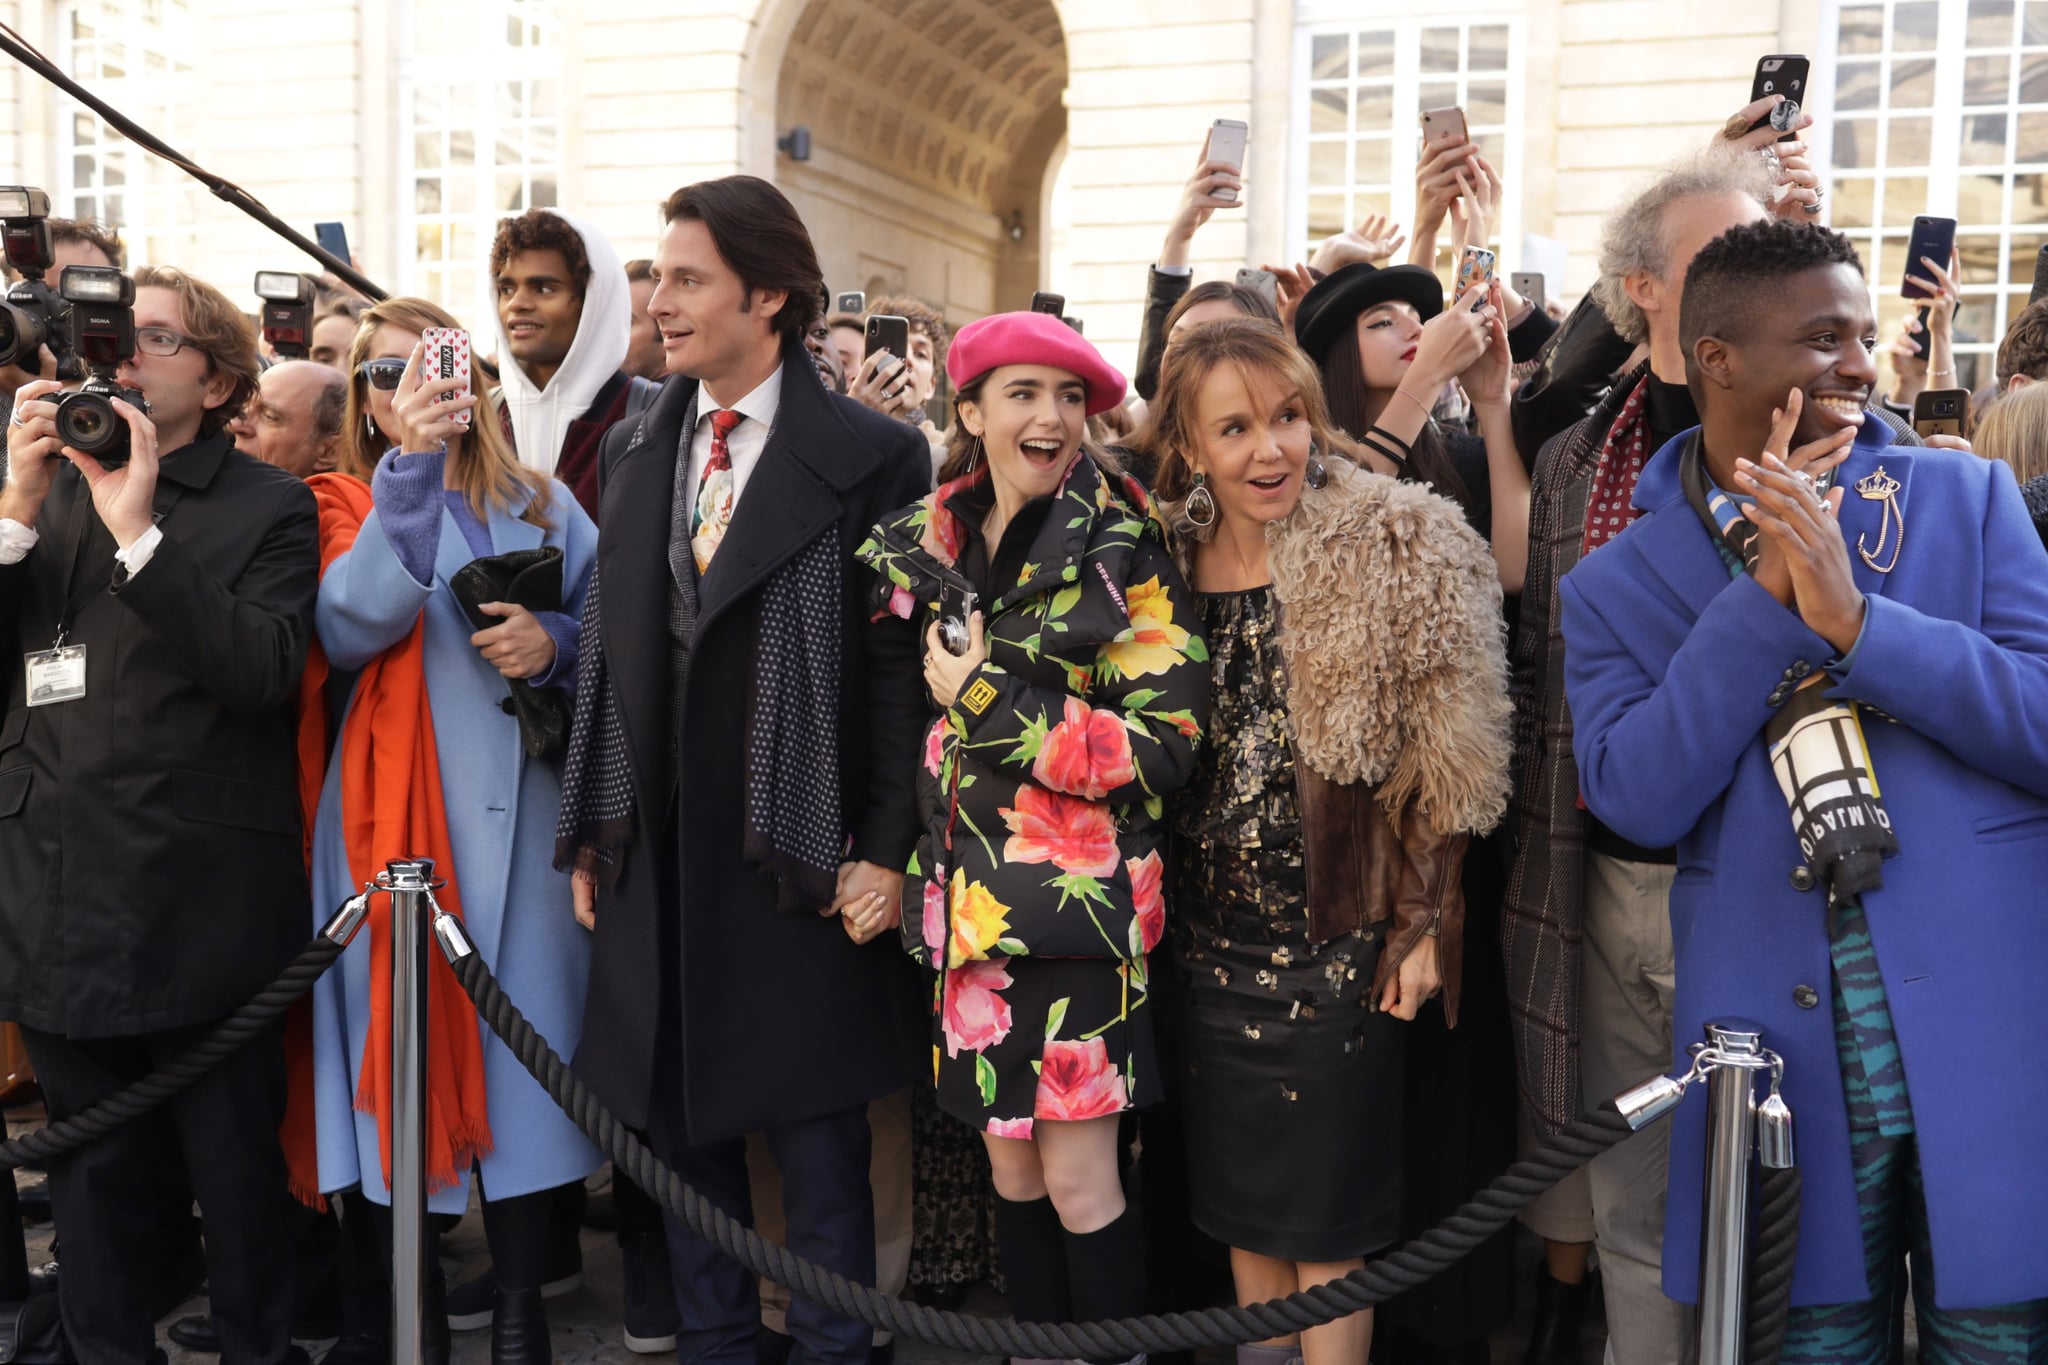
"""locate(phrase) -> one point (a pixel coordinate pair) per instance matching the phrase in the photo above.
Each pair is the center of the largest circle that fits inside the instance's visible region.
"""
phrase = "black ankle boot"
(436, 1325)
(519, 1328)
(1560, 1313)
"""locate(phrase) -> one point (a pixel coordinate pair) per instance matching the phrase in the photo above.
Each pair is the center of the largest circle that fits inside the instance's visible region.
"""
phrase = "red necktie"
(713, 512)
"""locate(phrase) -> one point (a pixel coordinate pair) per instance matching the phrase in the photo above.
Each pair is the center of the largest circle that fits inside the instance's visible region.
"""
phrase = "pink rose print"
(935, 746)
(1076, 1081)
(976, 1017)
(1148, 897)
(902, 603)
(934, 923)
(1078, 837)
(1088, 754)
(1010, 1128)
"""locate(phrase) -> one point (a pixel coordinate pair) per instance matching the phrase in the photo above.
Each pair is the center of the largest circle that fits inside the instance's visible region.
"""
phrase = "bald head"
(298, 408)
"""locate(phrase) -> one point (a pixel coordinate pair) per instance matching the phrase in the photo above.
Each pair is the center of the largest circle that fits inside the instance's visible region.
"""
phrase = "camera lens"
(87, 422)
(953, 635)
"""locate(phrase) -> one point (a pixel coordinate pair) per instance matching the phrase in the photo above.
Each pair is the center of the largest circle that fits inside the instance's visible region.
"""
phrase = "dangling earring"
(1201, 503)
(974, 456)
(370, 426)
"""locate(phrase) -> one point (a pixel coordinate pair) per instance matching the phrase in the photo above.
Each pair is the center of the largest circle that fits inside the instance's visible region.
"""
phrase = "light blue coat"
(501, 818)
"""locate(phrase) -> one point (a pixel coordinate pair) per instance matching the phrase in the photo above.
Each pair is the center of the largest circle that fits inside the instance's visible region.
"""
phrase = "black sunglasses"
(382, 374)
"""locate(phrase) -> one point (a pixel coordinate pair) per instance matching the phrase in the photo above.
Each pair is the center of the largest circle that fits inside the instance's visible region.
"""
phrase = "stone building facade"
(971, 151)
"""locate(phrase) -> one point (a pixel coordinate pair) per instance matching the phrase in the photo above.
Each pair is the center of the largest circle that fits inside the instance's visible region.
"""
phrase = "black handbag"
(530, 579)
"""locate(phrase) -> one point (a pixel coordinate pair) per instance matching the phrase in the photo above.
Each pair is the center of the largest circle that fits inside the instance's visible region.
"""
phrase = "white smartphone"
(1227, 140)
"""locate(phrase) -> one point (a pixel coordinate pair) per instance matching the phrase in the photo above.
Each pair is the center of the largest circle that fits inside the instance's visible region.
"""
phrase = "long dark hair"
(1350, 400)
(1249, 302)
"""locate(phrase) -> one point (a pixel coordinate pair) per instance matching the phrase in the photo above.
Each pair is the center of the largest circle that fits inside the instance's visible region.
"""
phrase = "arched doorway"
(932, 124)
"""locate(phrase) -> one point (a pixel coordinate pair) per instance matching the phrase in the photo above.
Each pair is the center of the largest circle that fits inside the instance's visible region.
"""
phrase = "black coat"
(149, 832)
(782, 1016)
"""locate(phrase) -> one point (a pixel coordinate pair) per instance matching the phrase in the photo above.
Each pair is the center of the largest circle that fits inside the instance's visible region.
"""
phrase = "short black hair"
(760, 235)
(1731, 280)
(540, 230)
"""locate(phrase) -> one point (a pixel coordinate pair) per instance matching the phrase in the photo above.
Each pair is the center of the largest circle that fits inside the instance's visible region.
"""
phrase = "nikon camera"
(32, 315)
(100, 315)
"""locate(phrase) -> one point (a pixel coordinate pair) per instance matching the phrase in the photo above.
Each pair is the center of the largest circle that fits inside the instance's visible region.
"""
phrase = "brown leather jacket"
(1362, 870)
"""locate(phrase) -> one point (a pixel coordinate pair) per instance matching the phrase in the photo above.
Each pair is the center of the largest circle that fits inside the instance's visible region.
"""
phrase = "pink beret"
(1032, 339)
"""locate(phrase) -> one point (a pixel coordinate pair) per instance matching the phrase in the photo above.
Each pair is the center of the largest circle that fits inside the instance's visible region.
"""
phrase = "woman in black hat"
(1386, 347)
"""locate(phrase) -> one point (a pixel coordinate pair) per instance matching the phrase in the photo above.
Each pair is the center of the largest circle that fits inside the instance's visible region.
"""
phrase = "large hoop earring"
(1201, 503)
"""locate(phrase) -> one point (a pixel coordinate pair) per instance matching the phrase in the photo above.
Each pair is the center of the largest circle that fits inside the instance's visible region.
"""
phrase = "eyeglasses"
(163, 341)
(382, 374)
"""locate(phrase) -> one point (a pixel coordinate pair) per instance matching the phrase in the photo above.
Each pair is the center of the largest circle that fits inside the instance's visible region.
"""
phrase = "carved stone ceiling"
(938, 92)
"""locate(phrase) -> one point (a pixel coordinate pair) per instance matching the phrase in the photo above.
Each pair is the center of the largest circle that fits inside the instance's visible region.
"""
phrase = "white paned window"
(485, 138)
(1359, 98)
(131, 53)
(1941, 107)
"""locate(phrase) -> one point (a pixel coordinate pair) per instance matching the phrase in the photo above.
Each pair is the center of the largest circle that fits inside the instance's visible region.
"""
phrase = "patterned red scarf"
(1610, 503)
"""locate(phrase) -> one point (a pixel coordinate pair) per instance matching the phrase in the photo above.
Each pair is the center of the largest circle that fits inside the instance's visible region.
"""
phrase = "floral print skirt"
(1025, 1038)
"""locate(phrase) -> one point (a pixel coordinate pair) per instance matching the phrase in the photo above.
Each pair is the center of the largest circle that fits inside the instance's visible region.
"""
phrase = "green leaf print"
(985, 1078)
(1137, 939)
(1056, 1016)
(1074, 886)
(1013, 947)
(1197, 651)
(1142, 698)
(1064, 601)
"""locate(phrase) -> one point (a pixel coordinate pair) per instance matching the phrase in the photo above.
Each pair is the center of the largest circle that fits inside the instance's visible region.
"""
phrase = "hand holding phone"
(447, 358)
(1780, 73)
(1228, 138)
(1475, 271)
(1442, 128)
(1941, 412)
(1933, 239)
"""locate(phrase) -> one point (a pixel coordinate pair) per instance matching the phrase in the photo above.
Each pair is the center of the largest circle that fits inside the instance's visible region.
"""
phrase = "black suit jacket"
(149, 832)
(782, 1017)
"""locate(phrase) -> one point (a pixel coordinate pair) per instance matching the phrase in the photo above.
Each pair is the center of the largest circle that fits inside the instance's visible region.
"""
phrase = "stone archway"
(932, 124)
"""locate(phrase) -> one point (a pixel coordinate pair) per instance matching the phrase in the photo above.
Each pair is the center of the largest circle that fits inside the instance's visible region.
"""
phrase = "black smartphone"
(333, 238)
(1055, 304)
(1074, 323)
(1781, 73)
(1941, 412)
(956, 608)
(854, 301)
(1934, 238)
(889, 333)
(2040, 290)
(1529, 284)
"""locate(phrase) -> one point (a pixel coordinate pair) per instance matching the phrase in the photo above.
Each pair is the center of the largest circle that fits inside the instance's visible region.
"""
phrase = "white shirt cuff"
(1174, 269)
(16, 540)
(135, 556)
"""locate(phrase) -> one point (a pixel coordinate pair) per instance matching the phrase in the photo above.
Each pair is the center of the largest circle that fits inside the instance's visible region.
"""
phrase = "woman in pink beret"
(1067, 671)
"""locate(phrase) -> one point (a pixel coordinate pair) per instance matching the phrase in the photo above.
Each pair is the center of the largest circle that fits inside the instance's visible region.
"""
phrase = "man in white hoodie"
(564, 323)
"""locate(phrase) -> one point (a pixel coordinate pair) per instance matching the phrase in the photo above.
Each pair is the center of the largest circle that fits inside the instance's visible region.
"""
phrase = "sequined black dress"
(1291, 1085)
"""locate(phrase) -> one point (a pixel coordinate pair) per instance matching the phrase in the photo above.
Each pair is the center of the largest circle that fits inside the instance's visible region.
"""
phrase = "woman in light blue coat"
(500, 806)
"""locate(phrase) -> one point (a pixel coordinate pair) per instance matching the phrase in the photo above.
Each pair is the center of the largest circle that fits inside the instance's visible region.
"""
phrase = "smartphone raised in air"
(447, 357)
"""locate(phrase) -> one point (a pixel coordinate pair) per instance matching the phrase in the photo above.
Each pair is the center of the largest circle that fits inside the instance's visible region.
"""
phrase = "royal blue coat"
(1670, 670)
(501, 809)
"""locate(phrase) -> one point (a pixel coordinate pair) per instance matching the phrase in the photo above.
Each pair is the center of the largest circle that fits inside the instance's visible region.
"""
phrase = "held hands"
(946, 672)
(1475, 213)
(520, 647)
(869, 900)
(1802, 559)
(1419, 976)
(1799, 191)
(1374, 240)
(423, 413)
(31, 444)
(1291, 284)
(1452, 342)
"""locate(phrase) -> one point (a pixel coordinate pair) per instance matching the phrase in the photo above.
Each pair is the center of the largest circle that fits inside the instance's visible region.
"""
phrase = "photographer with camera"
(161, 594)
(72, 242)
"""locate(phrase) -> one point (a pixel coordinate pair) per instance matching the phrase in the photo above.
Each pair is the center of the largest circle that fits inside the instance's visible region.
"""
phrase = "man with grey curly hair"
(1586, 929)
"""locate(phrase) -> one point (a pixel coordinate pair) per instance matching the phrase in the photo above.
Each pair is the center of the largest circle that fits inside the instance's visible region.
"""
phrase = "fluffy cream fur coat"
(1391, 627)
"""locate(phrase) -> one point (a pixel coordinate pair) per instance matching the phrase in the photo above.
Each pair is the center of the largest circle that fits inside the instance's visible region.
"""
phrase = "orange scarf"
(391, 807)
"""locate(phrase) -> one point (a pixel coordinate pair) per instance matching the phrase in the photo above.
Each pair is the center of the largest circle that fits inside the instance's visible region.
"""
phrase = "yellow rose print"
(1156, 644)
(978, 921)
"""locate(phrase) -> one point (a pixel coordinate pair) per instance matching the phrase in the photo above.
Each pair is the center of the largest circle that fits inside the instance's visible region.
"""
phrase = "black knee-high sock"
(1033, 1246)
(1106, 1272)
(517, 1230)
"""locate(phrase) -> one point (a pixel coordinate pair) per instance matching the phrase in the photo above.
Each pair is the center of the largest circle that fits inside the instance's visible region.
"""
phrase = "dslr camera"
(287, 312)
(100, 319)
(32, 315)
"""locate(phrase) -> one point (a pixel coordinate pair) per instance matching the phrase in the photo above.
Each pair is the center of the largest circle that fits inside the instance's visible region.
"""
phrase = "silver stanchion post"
(1736, 1055)
(410, 882)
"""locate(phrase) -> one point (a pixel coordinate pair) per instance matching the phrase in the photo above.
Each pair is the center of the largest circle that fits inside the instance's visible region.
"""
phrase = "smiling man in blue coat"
(1828, 691)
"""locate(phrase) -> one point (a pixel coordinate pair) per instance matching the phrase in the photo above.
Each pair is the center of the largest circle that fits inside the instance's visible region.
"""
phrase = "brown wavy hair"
(1252, 345)
(225, 335)
(487, 471)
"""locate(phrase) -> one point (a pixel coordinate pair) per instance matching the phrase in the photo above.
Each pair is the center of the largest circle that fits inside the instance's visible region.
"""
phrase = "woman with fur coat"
(1359, 736)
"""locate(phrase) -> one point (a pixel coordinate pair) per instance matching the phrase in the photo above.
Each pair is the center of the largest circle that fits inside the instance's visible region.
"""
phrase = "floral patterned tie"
(713, 512)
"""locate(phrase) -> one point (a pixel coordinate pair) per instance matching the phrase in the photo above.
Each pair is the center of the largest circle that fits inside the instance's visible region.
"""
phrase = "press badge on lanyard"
(56, 674)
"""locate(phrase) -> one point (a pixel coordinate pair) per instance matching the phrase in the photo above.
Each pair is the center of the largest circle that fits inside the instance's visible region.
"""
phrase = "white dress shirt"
(16, 540)
(747, 440)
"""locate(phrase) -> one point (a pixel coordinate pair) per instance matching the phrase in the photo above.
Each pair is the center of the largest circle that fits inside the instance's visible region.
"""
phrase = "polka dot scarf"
(1610, 503)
